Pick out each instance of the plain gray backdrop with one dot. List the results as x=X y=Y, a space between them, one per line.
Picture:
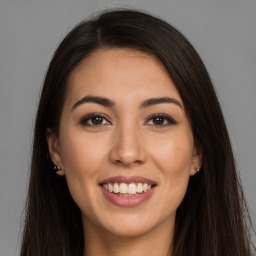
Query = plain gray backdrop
x=222 y=31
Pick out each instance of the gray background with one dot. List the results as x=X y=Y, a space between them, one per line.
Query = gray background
x=223 y=32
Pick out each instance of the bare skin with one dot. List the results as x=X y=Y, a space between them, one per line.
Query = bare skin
x=125 y=134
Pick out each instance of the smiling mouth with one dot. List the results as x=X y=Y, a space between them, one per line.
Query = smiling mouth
x=130 y=189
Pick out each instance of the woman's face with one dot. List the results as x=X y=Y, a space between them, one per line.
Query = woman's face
x=125 y=143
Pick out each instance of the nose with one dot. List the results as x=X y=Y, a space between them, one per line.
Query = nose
x=127 y=148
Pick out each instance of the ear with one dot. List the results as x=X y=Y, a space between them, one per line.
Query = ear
x=54 y=147
x=197 y=160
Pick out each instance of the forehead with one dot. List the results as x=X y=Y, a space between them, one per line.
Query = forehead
x=121 y=74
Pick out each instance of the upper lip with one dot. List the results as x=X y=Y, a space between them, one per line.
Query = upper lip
x=127 y=180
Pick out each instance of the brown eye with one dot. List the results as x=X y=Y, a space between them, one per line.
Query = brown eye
x=160 y=120
x=94 y=120
x=97 y=120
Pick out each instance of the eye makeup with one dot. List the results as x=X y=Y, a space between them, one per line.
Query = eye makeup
x=158 y=120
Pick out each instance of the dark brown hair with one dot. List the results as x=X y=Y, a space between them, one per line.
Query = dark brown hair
x=211 y=220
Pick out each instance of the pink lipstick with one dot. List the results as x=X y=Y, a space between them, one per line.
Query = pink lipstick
x=127 y=191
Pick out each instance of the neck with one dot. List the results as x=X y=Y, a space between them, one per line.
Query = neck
x=156 y=242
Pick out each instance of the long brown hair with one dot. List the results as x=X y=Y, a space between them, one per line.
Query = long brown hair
x=211 y=220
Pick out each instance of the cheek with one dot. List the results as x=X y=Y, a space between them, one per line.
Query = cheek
x=82 y=158
x=174 y=155
x=81 y=154
x=173 y=159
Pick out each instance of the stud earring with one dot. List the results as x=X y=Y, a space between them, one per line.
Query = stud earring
x=58 y=170
x=197 y=170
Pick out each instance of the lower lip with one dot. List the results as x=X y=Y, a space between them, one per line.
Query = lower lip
x=127 y=201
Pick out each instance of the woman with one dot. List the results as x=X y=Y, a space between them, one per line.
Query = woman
x=129 y=121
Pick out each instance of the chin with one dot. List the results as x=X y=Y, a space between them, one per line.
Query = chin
x=133 y=225
x=129 y=230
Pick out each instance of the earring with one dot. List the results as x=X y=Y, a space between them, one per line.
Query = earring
x=58 y=170
x=197 y=170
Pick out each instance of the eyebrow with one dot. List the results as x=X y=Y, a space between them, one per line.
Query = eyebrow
x=154 y=101
x=109 y=103
x=94 y=99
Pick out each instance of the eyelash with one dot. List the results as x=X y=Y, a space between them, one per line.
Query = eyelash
x=170 y=121
x=89 y=117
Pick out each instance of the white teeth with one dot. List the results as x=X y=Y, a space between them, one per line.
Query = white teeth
x=127 y=189
x=110 y=187
x=116 y=188
x=132 y=189
x=123 y=188
x=139 y=188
